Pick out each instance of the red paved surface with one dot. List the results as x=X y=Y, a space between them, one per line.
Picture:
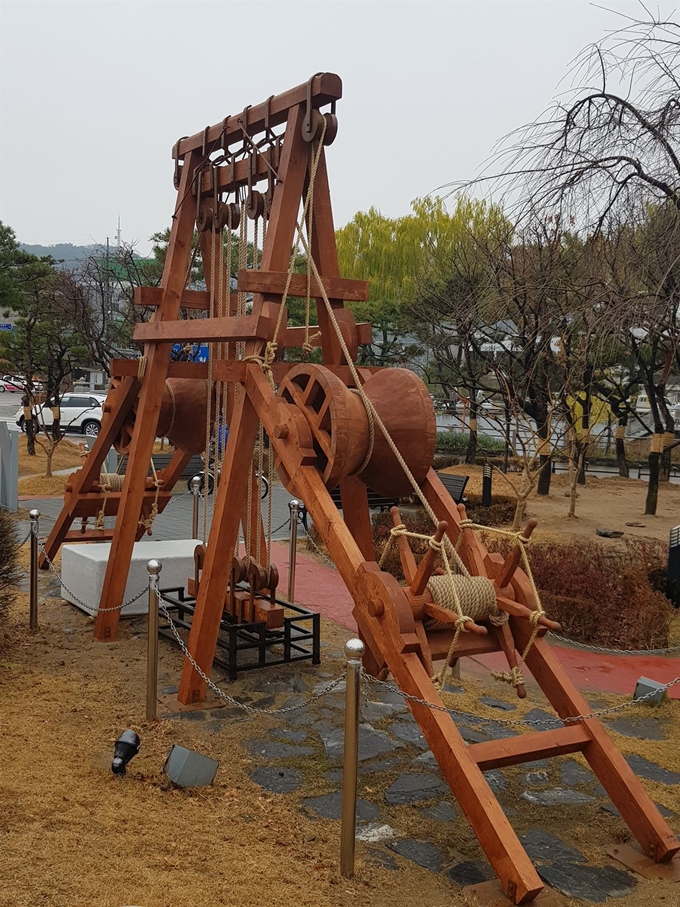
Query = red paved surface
x=320 y=588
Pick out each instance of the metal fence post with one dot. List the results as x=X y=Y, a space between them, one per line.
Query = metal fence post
x=195 y=489
x=154 y=568
x=33 y=596
x=294 y=507
x=354 y=650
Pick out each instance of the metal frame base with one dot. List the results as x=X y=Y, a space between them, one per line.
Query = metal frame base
x=298 y=639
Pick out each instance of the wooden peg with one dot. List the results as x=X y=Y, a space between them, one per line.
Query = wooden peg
x=426 y=566
x=408 y=562
x=507 y=642
x=511 y=562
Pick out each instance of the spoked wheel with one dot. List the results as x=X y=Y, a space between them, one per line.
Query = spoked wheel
x=334 y=415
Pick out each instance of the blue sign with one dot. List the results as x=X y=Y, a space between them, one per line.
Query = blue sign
x=6 y=327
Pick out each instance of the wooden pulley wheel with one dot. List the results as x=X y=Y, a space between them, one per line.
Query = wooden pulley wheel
x=257 y=576
x=332 y=413
x=312 y=127
x=228 y=215
x=255 y=204
x=204 y=221
x=331 y=128
x=273 y=577
x=238 y=570
x=340 y=431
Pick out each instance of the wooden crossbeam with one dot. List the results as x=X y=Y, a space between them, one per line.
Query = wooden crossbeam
x=233 y=328
x=191 y=299
x=326 y=87
x=572 y=738
x=252 y=281
x=232 y=370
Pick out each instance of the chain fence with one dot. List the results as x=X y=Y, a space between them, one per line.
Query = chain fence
x=545 y=723
x=89 y=608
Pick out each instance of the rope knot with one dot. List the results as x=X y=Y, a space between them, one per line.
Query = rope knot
x=466 y=524
x=462 y=620
x=398 y=530
x=434 y=544
x=536 y=616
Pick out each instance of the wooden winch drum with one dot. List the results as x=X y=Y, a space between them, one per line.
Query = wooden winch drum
x=340 y=431
x=182 y=417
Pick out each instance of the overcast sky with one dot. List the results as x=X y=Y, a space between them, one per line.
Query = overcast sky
x=95 y=93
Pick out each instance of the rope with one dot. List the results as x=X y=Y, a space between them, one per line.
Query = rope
x=149 y=521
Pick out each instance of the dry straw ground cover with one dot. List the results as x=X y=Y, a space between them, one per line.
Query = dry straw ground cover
x=73 y=835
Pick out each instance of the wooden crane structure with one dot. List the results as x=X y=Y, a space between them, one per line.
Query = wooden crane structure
x=329 y=424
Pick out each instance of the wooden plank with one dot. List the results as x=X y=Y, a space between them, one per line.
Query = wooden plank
x=232 y=328
x=326 y=87
x=572 y=738
x=191 y=299
x=325 y=254
x=252 y=281
x=625 y=790
x=144 y=433
x=230 y=370
x=354 y=497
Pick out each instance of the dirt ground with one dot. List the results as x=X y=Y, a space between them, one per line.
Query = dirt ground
x=603 y=503
x=74 y=835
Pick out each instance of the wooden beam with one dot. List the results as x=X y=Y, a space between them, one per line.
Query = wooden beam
x=252 y=281
x=625 y=790
x=234 y=328
x=231 y=370
x=572 y=738
x=150 y=396
x=191 y=299
x=326 y=87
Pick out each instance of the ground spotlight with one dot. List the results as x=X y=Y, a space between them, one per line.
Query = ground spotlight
x=125 y=748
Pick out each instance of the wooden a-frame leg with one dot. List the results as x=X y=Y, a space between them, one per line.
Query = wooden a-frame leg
x=636 y=807
x=510 y=862
x=150 y=396
x=229 y=505
x=118 y=402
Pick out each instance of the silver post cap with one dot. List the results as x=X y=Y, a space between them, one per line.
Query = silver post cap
x=34 y=514
x=293 y=505
x=154 y=566
x=354 y=648
x=196 y=484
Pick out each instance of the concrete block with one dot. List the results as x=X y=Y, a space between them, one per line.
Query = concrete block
x=83 y=568
x=189 y=769
x=644 y=686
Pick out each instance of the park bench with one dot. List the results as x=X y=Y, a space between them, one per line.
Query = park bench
x=375 y=501
x=193 y=468
x=455 y=485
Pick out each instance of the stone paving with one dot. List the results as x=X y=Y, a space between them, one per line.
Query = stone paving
x=406 y=811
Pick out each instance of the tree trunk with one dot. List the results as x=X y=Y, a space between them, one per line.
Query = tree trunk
x=545 y=459
x=521 y=506
x=49 y=453
x=472 y=443
x=29 y=425
x=665 y=466
x=653 y=487
x=624 y=472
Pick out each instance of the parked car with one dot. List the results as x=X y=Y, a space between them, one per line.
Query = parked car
x=79 y=412
x=20 y=381
x=10 y=387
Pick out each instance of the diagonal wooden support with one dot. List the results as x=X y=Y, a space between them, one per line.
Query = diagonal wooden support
x=118 y=404
x=144 y=434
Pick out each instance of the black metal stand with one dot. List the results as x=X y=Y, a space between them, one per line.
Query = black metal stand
x=237 y=643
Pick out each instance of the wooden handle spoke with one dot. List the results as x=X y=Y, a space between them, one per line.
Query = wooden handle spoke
x=426 y=566
x=512 y=561
x=408 y=562
x=517 y=610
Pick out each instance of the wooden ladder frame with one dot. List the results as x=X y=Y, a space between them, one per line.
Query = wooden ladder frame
x=395 y=635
